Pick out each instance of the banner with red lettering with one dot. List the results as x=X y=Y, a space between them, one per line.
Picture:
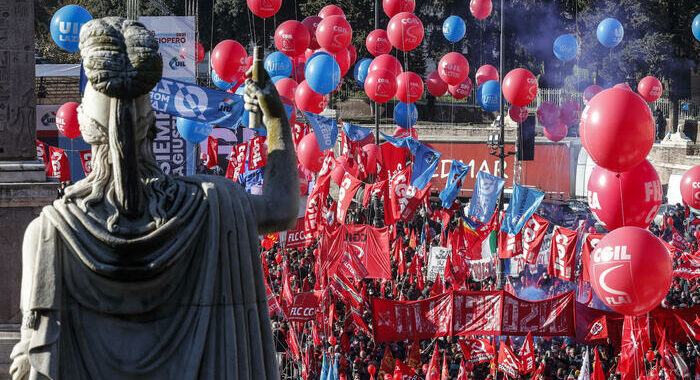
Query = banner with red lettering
x=549 y=317
x=304 y=307
x=508 y=363
x=297 y=237
x=86 y=160
x=60 y=168
x=477 y=350
x=533 y=235
x=404 y=197
x=212 y=152
x=562 y=254
x=346 y=192
x=589 y=244
x=236 y=161
x=688 y=267
x=256 y=155
x=369 y=244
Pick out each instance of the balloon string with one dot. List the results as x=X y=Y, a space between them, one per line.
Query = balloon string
x=622 y=203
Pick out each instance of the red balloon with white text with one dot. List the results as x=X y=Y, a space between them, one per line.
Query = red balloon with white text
x=409 y=87
x=690 y=187
x=453 y=68
x=650 y=89
x=331 y=10
x=518 y=114
x=520 y=87
x=377 y=42
x=393 y=7
x=405 y=31
x=264 y=8
x=462 y=90
x=307 y=99
x=67 y=120
x=311 y=24
x=380 y=86
x=386 y=62
x=292 y=38
x=334 y=33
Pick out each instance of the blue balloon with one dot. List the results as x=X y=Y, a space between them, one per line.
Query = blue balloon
x=218 y=82
x=610 y=32
x=278 y=64
x=478 y=96
x=192 y=131
x=491 y=96
x=405 y=114
x=696 y=27
x=566 y=47
x=322 y=73
x=454 y=28
x=361 y=71
x=66 y=24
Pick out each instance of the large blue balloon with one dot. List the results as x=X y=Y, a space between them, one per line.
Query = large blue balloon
x=478 y=96
x=66 y=24
x=610 y=32
x=491 y=95
x=566 y=47
x=322 y=73
x=453 y=28
x=192 y=131
x=405 y=114
x=278 y=64
x=696 y=27
x=361 y=71
x=218 y=82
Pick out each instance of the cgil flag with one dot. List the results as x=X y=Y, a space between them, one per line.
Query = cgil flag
x=458 y=170
x=487 y=189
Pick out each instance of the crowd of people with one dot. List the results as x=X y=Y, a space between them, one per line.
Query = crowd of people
x=358 y=354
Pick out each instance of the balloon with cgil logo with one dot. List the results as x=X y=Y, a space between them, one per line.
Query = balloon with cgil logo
x=630 y=270
x=690 y=187
x=650 y=89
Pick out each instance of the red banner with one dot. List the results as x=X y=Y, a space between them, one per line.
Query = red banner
x=315 y=203
x=256 y=156
x=509 y=245
x=527 y=355
x=369 y=244
x=42 y=154
x=589 y=244
x=60 y=168
x=346 y=192
x=236 y=161
x=472 y=313
x=477 y=350
x=212 y=152
x=688 y=267
x=297 y=237
x=508 y=363
x=404 y=197
x=533 y=235
x=86 y=160
x=562 y=254
x=394 y=159
x=304 y=307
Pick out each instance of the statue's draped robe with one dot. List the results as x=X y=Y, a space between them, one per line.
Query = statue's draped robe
x=185 y=300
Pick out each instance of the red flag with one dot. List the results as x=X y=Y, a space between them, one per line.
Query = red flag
x=369 y=244
x=257 y=157
x=404 y=197
x=399 y=256
x=346 y=192
x=299 y=130
x=598 y=329
x=414 y=360
x=236 y=161
x=540 y=371
x=533 y=235
x=688 y=267
x=671 y=360
x=86 y=160
x=527 y=355
x=42 y=154
x=448 y=274
x=404 y=371
x=393 y=158
x=287 y=293
x=445 y=370
x=509 y=245
x=351 y=267
x=562 y=254
x=293 y=344
x=508 y=363
x=354 y=319
x=508 y=287
x=635 y=342
x=304 y=307
x=678 y=241
x=463 y=371
x=598 y=373
x=434 y=366
x=437 y=287
x=315 y=335
x=589 y=244
x=412 y=239
x=272 y=305
x=212 y=152
x=346 y=292
x=387 y=365
x=60 y=168
x=477 y=350
x=315 y=203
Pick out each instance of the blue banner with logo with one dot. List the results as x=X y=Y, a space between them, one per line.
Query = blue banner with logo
x=355 y=132
x=325 y=129
x=458 y=170
x=523 y=203
x=425 y=159
x=487 y=189
x=197 y=103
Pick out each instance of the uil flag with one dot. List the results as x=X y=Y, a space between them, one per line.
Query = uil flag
x=508 y=363
x=355 y=132
x=589 y=244
x=212 y=152
x=425 y=162
x=346 y=192
x=523 y=203
x=458 y=170
x=86 y=160
x=527 y=355
x=487 y=189
x=562 y=254
x=256 y=153
x=325 y=129
x=60 y=168
x=533 y=235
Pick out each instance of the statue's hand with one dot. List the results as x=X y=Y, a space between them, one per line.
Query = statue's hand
x=19 y=369
x=263 y=97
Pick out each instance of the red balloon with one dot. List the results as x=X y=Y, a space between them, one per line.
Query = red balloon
x=409 y=87
x=518 y=114
x=669 y=220
x=398 y=375
x=557 y=132
x=631 y=198
x=453 y=68
x=394 y=7
x=331 y=10
x=343 y=165
x=388 y=376
x=617 y=129
x=264 y=8
x=623 y=86
x=520 y=87
x=436 y=86
x=292 y=38
x=480 y=8
x=401 y=132
x=590 y=92
x=229 y=60
x=372 y=369
x=310 y=156
x=461 y=90
x=485 y=74
x=630 y=270
x=67 y=120
x=377 y=42
x=279 y=258
x=380 y=86
x=570 y=112
x=650 y=89
x=650 y=355
x=548 y=114
x=405 y=31
x=374 y=157
x=690 y=186
x=311 y=24
x=334 y=33
x=353 y=54
x=286 y=88
x=308 y=100
x=386 y=62
x=342 y=57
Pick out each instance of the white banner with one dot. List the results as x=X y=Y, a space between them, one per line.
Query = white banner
x=176 y=41
x=436 y=262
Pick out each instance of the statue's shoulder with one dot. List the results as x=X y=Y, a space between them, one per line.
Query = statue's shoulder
x=218 y=182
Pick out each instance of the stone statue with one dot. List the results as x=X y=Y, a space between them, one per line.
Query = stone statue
x=134 y=274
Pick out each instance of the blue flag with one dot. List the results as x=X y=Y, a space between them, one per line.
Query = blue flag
x=325 y=129
x=523 y=203
x=355 y=132
x=399 y=143
x=324 y=368
x=197 y=103
x=458 y=170
x=487 y=189
x=83 y=79
x=425 y=159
